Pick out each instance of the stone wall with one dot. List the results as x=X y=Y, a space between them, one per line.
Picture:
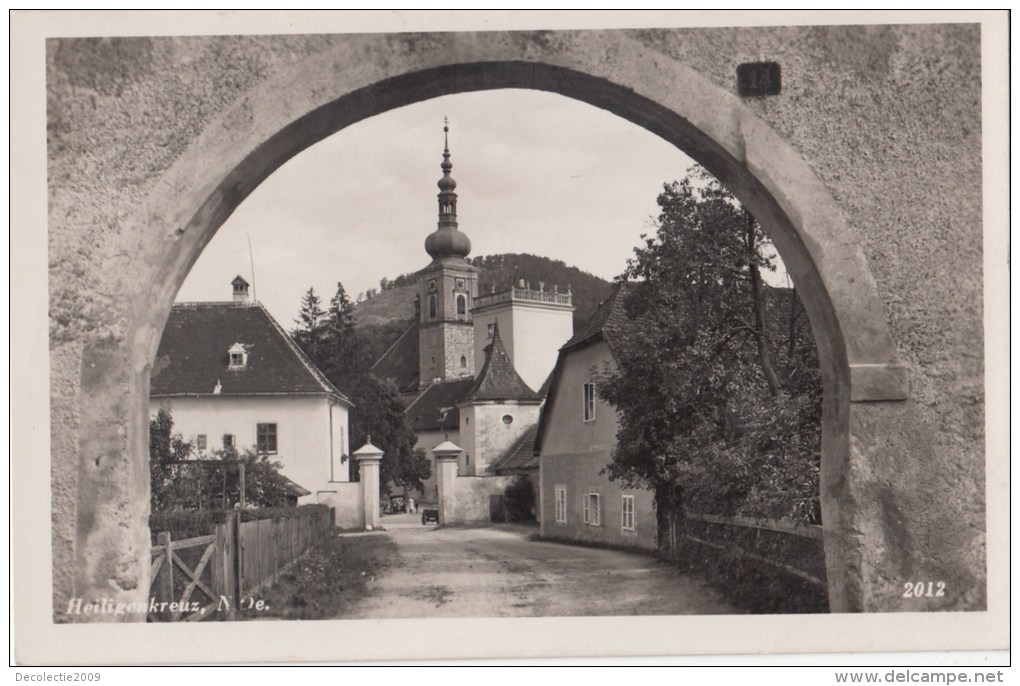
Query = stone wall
x=866 y=170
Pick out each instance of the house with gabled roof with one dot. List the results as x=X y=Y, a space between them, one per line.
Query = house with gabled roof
x=575 y=439
x=232 y=378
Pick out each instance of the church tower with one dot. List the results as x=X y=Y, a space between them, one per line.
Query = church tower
x=447 y=288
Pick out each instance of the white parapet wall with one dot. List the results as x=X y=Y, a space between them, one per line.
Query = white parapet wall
x=349 y=501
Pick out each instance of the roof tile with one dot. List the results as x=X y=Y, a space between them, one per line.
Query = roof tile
x=436 y=407
x=192 y=358
x=498 y=379
x=520 y=455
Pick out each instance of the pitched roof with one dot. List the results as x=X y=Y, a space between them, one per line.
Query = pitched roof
x=192 y=358
x=520 y=455
x=293 y=488
x=608 y=320
x=399 y=363
x=436 y=407
x=498 y=379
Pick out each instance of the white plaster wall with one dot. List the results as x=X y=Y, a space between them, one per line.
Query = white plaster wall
x=501 y=313
x=427 y=440
x=574 y=452
x=304 y=444
x=532 y=334
x=580 y=474
x=472 y=496
x=566 y=431
x=489 y=437
x=538 y=333
x=349 y=500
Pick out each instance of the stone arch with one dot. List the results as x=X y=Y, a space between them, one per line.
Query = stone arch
x=365 y=76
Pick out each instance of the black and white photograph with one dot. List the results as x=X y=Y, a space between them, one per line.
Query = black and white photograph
x=508 y=335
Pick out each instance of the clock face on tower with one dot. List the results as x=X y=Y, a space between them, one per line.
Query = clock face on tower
x=432 y=285
x=460 y=284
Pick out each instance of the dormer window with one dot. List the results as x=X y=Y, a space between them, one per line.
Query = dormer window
x=238 y=357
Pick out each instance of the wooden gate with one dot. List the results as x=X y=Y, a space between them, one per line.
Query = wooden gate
x=194 y=579
x=205 y=577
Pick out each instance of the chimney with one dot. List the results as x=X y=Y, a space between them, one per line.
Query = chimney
x=240 y=289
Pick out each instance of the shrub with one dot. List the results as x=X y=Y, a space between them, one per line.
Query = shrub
x=519 y=500
x=183 y=524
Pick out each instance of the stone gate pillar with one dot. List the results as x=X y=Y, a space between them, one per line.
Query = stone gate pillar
x=447 y=455
x=369 y=457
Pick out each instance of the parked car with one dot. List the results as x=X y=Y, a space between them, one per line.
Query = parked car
x=429 y=514
x=397 y=504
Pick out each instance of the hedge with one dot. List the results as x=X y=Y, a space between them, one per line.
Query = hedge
x=183 y=524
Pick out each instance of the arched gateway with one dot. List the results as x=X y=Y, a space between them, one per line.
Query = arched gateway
x=268 y=98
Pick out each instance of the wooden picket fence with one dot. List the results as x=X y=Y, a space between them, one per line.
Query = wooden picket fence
x=269 y=546
x=207 y=577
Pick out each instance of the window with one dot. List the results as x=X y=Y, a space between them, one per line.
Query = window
x=200 y=442
x=467 y=460
x=627 y=513
x=238 y=356
x=266 y=438
x=432 y=307
x=592 y=510
x=589 y=402
x=561 y=504
x=508 y=420
x=461 y=304
x=228 y=441
x=488 y=331
x=463 y=362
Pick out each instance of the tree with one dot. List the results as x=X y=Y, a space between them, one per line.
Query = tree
x=179 y=483
x=379 y=413
x=340 y=352
x=264 y=485
x=309 y=331
x=168 y=487
x=717 y=386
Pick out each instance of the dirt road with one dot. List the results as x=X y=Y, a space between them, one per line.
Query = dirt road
x=498 y=572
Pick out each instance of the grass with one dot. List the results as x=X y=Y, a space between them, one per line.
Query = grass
x=327 y=581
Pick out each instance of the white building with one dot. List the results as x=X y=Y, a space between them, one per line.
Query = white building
x=232 y=377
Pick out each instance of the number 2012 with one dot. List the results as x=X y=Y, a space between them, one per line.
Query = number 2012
x=932 y=589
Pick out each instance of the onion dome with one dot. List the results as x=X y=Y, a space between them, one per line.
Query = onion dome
x=447 y=240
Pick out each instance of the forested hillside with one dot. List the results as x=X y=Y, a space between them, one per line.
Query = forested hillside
x=383 y=314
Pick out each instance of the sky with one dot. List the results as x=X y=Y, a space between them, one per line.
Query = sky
x=536 y=173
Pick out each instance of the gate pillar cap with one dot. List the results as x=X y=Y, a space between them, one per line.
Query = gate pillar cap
x=368 y=452
x=447 y=450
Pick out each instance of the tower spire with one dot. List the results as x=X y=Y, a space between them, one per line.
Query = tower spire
x=447 y=240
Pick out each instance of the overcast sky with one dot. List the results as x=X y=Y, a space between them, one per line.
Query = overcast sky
x=536 y=173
